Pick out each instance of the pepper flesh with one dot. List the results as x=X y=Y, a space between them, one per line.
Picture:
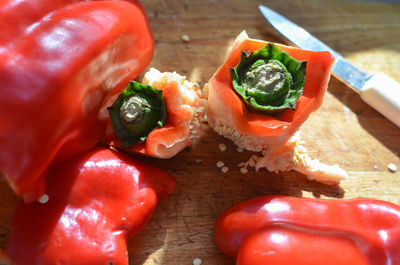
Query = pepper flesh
x=60 y=61
x=290 y=230
x=96 y=201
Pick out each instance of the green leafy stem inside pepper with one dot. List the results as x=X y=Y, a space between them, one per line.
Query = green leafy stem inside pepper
x=269 y=80
x=138 y=110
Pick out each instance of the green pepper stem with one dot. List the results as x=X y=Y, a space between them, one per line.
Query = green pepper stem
x=269 y=80
x=133 y=109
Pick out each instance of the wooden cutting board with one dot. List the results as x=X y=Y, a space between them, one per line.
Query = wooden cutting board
x=343 y=131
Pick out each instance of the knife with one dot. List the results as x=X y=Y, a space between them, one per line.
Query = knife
x=378 y=90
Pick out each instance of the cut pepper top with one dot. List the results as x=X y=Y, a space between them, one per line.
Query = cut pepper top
x=174 y=112
x=229 y=115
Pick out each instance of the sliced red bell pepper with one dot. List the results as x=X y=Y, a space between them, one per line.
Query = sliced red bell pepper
x=96 y=201
x=60 y=61
x=289 y=230
x=227 y=110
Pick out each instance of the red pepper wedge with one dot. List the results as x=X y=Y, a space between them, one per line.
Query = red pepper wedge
x=227 y=110
x=60 y=62
x=290 y=230
x=96 y=201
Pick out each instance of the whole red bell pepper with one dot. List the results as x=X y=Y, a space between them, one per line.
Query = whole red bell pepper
x=96 y=201
x=306 y=231
x=60 y=63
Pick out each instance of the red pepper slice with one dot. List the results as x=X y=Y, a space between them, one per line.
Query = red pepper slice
x=96 y=201
x=290 y=230
x=225 y=106
x=60 y=62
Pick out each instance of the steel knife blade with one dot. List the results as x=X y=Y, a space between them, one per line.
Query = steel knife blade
x=378 y=90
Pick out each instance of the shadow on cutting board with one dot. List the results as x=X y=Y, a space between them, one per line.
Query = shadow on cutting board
x=369 y=119
x=183 y=225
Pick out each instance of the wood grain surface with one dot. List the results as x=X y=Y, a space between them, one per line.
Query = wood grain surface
x=343 y=131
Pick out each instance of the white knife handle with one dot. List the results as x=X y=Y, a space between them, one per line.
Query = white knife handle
x=383 y=94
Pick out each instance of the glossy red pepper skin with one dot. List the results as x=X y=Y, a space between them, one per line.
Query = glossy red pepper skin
x=96 y=201
x=60 y=63
x=289 y=230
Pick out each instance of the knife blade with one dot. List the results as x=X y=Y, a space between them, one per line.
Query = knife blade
x=378 y=90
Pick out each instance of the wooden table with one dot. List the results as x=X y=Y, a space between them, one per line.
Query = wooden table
x=343 y=131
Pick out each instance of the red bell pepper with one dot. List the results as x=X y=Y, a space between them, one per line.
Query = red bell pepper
x=289 y=230
x=60 y=62
x=96 y=201
x=251 y=130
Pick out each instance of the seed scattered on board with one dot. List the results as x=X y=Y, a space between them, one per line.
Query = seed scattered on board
x=392 y=167
x=185 y=38
x=44 y=199
x=244 y=170
x=197 y=261
x=222 y=147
